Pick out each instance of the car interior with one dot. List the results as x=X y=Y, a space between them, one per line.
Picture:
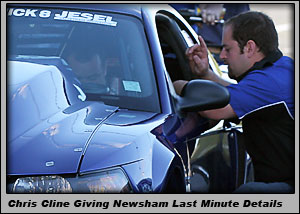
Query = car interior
x=173 y=46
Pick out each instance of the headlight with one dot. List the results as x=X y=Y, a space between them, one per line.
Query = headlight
x=110 y=181
x=41 y=184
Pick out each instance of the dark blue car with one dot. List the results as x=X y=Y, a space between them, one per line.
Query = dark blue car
x=92 y=108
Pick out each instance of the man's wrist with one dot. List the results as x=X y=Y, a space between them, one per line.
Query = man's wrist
x=205 y=75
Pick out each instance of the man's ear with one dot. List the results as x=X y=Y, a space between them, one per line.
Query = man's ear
x=250 y=48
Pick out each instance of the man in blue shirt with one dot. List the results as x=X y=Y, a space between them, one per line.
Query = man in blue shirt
x=263 y=98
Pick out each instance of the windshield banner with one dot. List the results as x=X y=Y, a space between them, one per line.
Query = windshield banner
x=63 y=15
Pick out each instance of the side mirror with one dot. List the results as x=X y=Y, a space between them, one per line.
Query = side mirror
x=200 y=95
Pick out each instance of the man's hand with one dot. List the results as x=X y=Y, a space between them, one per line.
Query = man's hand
x=198 y=59
x=211 y=12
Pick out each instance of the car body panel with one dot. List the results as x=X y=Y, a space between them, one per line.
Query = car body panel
x=40 y=129
x=79 y=122
x=38 y=145
x=220 y=154
x=54 y=128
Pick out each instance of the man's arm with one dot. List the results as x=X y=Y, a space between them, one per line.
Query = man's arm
x=198 y=60
x=224 y=113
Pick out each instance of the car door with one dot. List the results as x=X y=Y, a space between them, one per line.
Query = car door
x=216 y=158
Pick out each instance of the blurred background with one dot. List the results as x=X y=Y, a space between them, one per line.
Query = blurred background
x=283 y=18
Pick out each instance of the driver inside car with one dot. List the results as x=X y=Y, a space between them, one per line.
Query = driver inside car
x=91 y=70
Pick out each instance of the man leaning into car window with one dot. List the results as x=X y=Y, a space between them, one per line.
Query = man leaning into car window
x=263 y=97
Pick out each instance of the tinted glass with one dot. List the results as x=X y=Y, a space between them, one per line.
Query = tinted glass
x=108 y=53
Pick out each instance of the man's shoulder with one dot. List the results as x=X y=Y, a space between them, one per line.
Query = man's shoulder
x=285 y=61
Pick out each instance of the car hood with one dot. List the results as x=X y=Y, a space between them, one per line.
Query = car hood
x=47 y=135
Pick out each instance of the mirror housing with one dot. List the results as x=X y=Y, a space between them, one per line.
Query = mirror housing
x=200 y=95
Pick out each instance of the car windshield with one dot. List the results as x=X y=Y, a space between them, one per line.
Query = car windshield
x=107 y=52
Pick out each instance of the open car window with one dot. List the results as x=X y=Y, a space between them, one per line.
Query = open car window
x=174 y=40
x=107 y=52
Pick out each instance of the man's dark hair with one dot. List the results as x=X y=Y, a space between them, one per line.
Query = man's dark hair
x=256 y=26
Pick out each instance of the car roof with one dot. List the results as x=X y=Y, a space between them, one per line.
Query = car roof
x=129 y=9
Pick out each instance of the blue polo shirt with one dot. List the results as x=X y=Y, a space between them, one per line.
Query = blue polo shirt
x=264 y=100
x=271 y=84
